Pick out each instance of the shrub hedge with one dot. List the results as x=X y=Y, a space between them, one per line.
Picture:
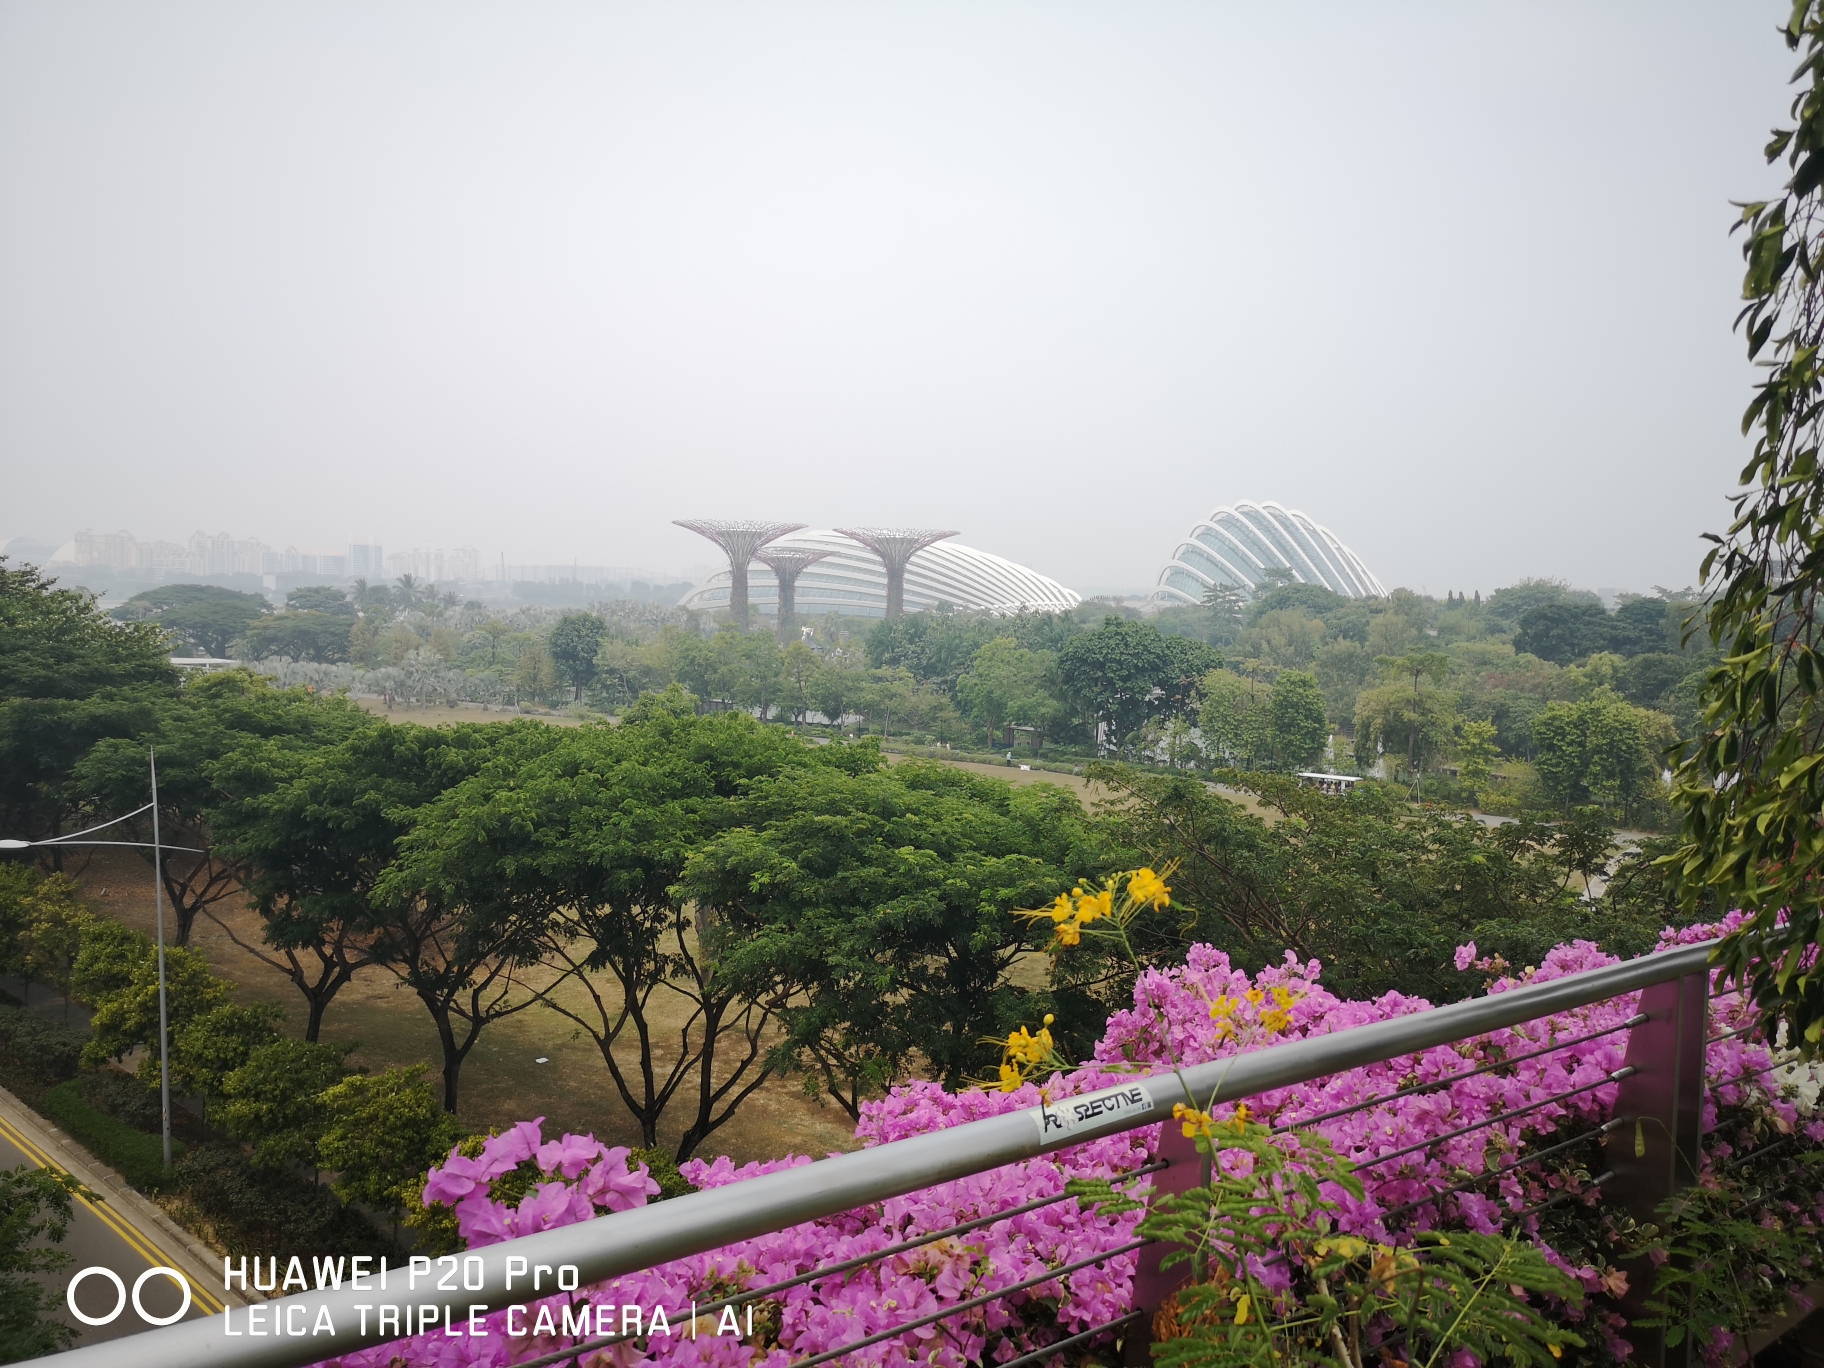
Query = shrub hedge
x=138 y=1156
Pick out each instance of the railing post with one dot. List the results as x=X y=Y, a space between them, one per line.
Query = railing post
x=1654 y=1152
x=1153 y=1284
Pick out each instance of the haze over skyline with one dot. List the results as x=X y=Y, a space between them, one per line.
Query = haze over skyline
x=540 y=278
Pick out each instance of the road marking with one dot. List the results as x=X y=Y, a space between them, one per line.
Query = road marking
x=130 y=1234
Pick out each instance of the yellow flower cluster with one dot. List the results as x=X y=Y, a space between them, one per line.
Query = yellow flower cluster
x=1147 y=889
x=1196 y=1123
x=1025 y=1053
x=1076 y=909
x=1276 y=1020
x=1081 y=907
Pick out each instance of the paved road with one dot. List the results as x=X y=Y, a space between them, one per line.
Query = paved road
x=102 y=1234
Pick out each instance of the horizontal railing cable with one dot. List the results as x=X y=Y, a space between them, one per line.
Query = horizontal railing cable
x=1557 y=1200
x=956 y=1310
x=831 y=1270
x=1520 y=1162
x=1456 y=1078
x=1613 y=1077
x=1040 y=1355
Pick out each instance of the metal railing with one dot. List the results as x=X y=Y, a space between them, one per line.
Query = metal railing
x=1658 y=1102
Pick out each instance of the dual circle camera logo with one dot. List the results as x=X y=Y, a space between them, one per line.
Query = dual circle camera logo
x=122 y=1297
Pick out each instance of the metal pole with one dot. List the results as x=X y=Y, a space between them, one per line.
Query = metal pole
x=1657 y=1156
x=164 y=1029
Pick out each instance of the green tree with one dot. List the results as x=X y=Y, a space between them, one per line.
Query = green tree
x=201 y=616
x=1342 y=667
x=192 y=730
x=274 y=1102
x=1380 y=891
x=759 y=676
x=320 y=598
x=322 y=637
x=573 y=645
x=318 y=830
x=874 y=907
x=69 y=676
x=217 y=1042
x=127 y=1017
x=534 y=676
x=1225 y=604
x=1008 y=685
x=494 y=629
x=1234 y=718
x=1297 y=728
x=798 y=665
x=1602 y=751
x=1414 y=716
x=1476 y=753
x=834 y=688
x=35 y=1215
x=381 y=1132
x=1563 y=632
x=581 y=846
x=1287 y=639
x=54 y=924
x=1124 y=673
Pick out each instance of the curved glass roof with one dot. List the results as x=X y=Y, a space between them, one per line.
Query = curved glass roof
x=852 y=580
x=1238 y=543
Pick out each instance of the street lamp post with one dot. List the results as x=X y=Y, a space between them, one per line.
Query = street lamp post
x=164 y=1027
x=158 y=849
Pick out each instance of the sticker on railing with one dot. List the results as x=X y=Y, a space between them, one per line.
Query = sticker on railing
x=1065 y=1118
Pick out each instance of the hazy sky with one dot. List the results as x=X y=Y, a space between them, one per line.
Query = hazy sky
x=1453 y=278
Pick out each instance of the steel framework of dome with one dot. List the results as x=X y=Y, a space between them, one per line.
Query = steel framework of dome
x=1239 y=543
x=851 y=579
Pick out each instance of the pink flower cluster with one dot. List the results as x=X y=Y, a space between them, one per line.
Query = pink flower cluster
x=1204 y=1010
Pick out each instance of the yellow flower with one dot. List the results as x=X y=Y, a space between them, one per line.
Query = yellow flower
x=1147 y=889
x=1069 y=933
x=1011 y=1078
x=1276 y=1019
x=1222 y=1007
x=1556 y=1351
x=1241 y=1310
x=1195 y=1122
x=1347 y=1245
x=1285 y=997
x=1241 y=1117
x=1094 y=906
x=1255 y=996
x=1060 y=910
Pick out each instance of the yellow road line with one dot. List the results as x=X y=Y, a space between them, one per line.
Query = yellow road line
x=130 y=1234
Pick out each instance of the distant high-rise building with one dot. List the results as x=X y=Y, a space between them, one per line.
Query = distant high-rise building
x=222 y=554
x=366 y=560
x=163 y=558
x=465 y=563
x=117 y=550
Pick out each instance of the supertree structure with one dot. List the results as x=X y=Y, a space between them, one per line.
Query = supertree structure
x=895 y=546
x=786 y=563
x=740 y=538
